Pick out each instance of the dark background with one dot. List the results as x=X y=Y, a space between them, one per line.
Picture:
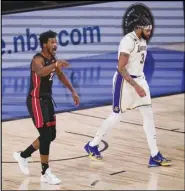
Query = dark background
x=21 y=6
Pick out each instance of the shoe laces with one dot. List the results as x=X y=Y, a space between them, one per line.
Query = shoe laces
x=161 y=157
x=50 y=174
x=97 y=152
x=25 y=161
x=29 y=159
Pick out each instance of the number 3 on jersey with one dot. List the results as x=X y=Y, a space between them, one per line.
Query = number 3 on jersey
x=142 y=58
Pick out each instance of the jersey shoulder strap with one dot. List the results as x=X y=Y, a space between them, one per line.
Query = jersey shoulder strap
x=39 y=54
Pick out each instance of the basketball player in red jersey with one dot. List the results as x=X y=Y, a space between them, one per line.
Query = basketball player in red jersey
x=40 y=105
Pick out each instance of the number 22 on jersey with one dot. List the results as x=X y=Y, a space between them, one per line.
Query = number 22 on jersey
x=51 y=76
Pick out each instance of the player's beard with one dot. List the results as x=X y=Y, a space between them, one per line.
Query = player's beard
x=143 y=36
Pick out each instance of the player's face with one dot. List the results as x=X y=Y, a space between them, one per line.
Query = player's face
x=146 y=33
x=52 y=46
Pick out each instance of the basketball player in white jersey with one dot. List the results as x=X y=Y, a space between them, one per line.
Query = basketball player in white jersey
x=130 y=91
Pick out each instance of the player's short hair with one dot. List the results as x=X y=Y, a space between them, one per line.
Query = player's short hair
x=45 y=36
x=143 y=22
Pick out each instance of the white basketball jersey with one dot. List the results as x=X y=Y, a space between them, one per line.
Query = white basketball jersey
x=137 y=49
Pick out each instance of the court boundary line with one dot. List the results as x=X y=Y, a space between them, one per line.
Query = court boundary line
x=132 y=123
x=72 y=158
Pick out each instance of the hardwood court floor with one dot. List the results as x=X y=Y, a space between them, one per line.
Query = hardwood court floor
x=125 y=152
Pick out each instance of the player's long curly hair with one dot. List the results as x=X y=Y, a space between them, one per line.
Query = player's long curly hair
x=137 y=15
x=142 y=21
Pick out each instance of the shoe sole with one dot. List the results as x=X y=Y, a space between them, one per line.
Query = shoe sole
x=15 y=156
x=50 y=183
x=164 y=164
x=94 y=158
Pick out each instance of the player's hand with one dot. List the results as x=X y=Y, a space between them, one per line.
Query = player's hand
x=141 y=92
x=62 y=64
x=76 y=98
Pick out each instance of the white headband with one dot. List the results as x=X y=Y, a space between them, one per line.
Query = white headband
x=148 y=27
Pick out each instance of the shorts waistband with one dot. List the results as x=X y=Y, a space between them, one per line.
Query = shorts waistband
x=133 y=76
x=45 y=97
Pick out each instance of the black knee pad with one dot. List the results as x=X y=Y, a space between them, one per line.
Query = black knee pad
x=44 y=145
x=45 y=140
x=47 y=134
x=53 y=133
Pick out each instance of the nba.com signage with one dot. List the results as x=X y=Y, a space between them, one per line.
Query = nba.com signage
x=88 y=37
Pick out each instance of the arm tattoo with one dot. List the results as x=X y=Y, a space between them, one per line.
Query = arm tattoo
x=127 y=77
x=59 y=74
x=123 y=71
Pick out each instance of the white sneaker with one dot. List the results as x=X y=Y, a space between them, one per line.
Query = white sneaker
x=49 y=178
x=23 y=163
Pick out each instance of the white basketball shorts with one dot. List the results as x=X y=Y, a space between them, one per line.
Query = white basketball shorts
x=124 y=95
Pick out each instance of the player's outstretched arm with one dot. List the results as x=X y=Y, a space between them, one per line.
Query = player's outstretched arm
x=62 y=77
x=39 y=68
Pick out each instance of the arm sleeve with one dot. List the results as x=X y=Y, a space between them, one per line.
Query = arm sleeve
x=126 y=45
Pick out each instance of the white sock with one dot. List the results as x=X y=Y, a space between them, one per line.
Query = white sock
x=107 y=125
x=149 y=128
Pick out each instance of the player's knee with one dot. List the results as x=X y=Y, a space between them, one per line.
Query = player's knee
x=47 y=135
x=146 y=112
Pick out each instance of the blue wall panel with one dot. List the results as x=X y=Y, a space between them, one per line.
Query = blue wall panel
x=91 y=51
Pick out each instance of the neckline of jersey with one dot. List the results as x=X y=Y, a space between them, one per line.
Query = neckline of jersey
x=137 y=36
